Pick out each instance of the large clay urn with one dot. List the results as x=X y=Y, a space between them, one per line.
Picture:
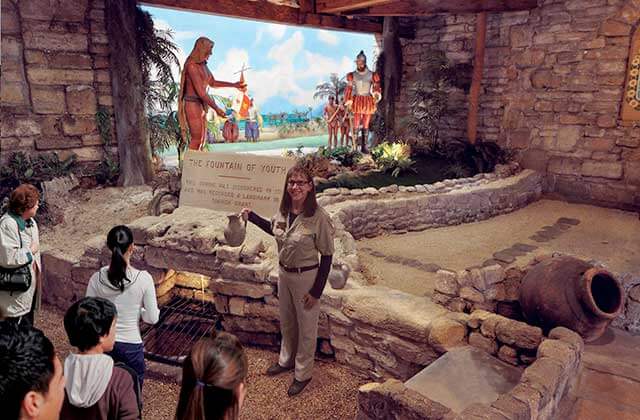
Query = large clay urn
x=568 y=292
x=235 y=231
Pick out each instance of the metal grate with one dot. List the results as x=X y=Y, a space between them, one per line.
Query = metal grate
x=182 y=322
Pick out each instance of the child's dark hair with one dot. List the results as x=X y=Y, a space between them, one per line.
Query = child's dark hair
x=26 y=364
x=87 y=320
x=119 y=240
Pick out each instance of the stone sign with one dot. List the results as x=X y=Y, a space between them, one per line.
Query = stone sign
x=231 y=181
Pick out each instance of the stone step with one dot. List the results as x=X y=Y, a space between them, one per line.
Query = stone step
x=463 y=377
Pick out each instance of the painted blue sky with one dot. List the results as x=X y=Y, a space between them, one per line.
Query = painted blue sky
x=287 y=62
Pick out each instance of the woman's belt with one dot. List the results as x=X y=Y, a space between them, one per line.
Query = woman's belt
x=299 y=269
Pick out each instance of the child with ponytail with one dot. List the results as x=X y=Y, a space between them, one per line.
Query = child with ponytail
x=133 y=293
x=213 y=380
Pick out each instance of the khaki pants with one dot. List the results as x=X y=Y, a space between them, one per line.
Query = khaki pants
x=299 y=326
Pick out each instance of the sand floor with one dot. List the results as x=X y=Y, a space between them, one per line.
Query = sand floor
x=607 y=235
x=330 y=395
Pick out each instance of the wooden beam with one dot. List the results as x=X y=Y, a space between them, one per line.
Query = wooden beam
x=476 y=81
x=391 y=72
x=341 y=6
x=269 y=12
x=307 y=6
x=430 y=7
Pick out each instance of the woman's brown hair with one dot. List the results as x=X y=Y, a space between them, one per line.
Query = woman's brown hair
x=24 y=197
x=310 y=203
x=211 y=374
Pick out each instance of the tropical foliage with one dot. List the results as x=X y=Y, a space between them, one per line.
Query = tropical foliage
x=108 y=170
x=346 y=156
x=479 y=157
x=21 y=168
x=158 y=54
x=428 y=99
x=394 y=158
x=334 y=87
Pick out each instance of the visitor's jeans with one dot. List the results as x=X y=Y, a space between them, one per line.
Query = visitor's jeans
x=131 y=355
x=251 y=131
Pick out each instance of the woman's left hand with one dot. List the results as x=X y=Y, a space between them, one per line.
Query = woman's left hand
x=309 y=301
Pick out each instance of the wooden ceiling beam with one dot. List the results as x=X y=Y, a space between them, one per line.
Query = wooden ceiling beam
x=430 y=7
x=269 y=12
x=343 y=6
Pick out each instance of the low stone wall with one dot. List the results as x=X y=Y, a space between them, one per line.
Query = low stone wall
x=513 y=342
x=337 y=195
x=403 y=212
x=496 y=289
x=537 y=395
x=381 y=333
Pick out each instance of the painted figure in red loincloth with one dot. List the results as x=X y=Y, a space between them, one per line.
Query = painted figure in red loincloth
x=193 y=100
x=330 y=114
x=362 y=95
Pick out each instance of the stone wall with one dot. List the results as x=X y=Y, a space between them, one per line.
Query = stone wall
x=447 y=203
x=379 y=332
x=55 y=75
x=558 y=360
x=496 y=288
x=552 y=90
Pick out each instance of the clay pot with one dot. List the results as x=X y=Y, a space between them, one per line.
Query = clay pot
x=235 y=231
x=568 y=292
x=338 y=276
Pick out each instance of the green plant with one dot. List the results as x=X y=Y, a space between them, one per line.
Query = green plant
x=394 y=158
x=21 y=168
x=479 y=157
x=157 y=52
x=428 y=99
x=108 y=170
x=346 y=156
x=317 y=164
x=103 y=120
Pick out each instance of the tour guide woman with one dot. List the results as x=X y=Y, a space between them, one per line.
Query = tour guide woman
x=302 y=230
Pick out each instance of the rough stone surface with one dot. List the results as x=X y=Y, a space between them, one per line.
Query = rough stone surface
x=552 y=88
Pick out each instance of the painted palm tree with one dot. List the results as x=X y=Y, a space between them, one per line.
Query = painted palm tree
x=158 y=56
x=334 y=87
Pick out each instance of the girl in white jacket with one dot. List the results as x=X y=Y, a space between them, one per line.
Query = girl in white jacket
x=133 y=293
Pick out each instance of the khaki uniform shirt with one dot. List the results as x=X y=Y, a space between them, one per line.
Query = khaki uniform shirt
x=300 y=243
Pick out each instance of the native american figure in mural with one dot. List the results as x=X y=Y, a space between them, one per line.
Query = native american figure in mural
x=193 y=100
x=362 y=95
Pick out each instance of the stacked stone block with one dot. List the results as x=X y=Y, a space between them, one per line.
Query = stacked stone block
x=55 y=74
x=449 y=203
x=552 y=87
x=557 y=361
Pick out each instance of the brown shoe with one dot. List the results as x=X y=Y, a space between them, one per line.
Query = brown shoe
x=276 y=369
x=297 y=387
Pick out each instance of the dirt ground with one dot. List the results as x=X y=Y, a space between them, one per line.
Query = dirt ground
x=88 y=213
x=330 y=395
x=607 y=235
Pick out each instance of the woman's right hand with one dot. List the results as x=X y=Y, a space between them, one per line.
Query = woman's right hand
x=245 y=213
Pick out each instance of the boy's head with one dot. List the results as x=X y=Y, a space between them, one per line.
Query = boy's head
x=31 y=378
x=90 y=323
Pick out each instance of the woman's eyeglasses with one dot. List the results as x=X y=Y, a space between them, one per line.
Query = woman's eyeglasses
x=297 y=183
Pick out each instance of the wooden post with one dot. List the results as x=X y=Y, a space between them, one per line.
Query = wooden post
x=134 y=149
x=392 y=71
x=476 y=81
